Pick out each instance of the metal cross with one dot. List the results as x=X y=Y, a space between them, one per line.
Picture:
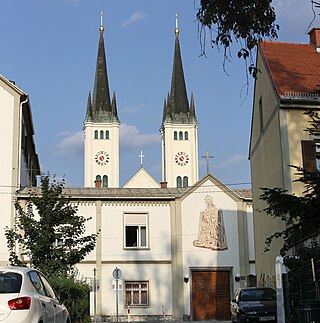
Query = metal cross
x=141 y=157
x=207 y=159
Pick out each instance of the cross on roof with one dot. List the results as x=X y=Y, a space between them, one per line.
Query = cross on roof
x=141 y=157
x=207 y=159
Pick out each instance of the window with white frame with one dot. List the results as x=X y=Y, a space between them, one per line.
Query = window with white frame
x=135 y=230
x=137 y=293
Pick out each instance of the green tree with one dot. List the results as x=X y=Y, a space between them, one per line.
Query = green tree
x=300 y=213
x=48 y=231
x=245 y=22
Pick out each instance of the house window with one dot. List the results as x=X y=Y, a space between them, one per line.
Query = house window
x=136 y=233
x=186 y=135
x=180 y=135
x=107 y=134
x=179 y=182
x=96 y=134
x=137 y=293
x=98 y=178
x=175 y=136
x=311 y=155
x=101 y=134
x=260 y=114
x=105 y=181
x=185 y=181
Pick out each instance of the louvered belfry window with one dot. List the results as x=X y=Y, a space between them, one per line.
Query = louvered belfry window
x=137 y=293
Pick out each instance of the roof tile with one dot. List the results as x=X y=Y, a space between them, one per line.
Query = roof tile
x=294 y=68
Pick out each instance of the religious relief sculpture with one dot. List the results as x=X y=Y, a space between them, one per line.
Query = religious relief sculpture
x=211 y=233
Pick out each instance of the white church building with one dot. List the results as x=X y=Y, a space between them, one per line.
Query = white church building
x=183 y=245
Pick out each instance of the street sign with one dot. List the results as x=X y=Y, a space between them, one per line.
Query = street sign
x=114 y=284
x=116 y=273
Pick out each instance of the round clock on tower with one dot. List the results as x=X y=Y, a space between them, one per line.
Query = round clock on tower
x=181 y=158
x=102 y=158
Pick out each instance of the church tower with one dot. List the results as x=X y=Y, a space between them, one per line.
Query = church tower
x=179 y=129
x=101 y=129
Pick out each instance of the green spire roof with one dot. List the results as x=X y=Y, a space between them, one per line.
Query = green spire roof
x=101 y=109
x=178 y=110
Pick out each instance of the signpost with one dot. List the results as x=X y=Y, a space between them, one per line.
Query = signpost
x=95 y=294
x=116 y=275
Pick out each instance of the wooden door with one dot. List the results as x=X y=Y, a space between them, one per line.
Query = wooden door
x=211 y=295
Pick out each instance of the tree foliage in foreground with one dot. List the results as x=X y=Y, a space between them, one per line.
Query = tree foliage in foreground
x=245 y=22
x=299 y=213
x=49 y=231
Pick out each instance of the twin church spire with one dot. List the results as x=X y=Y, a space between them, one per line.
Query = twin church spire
x=101 y=108
x=176 y=107
x=101 y=128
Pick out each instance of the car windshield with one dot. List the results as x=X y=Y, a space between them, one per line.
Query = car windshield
x=10 y=282
x=257 y=294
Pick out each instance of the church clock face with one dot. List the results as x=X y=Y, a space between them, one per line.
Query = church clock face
x=102 y=158
x=181 y=158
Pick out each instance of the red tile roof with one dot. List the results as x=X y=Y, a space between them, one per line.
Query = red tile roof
x=294 y=68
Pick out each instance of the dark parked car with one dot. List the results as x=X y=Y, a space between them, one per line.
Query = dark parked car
x=254 y=304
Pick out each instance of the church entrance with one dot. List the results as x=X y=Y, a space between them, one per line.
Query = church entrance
x=210 y=295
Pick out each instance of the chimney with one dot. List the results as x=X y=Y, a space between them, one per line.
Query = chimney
x=97 y=183
x=314 y=34
x=163 y=184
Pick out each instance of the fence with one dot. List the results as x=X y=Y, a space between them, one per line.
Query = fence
x=301 y=295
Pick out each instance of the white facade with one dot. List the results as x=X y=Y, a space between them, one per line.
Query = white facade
x=179 y=153
x=205 y=229
x=19 y=162
x=101 y=153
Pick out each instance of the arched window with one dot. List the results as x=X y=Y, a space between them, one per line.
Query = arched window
x=175 y=136
x=179 y=182
x=185 y=181
x=96 y=134
x=105 y=181
x=186 y=135
x=180 y=135
x=101 y=134
x=107 y=134
x=98 y=178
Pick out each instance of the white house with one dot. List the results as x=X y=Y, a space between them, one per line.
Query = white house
x=19 y=162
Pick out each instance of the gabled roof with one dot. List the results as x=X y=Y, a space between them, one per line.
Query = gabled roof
x=141 y=179
x=293 y=68
x=12 y=85
x=237 y=195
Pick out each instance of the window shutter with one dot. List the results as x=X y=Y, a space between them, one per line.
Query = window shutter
x=308 y=155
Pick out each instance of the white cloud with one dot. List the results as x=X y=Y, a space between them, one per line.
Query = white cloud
x=71 y=145
x=131 y=138
x=133 y=109
x=233 y=160
x=294 y=17
x=135 y=17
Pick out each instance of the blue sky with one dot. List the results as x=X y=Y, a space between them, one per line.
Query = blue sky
x=49 y=48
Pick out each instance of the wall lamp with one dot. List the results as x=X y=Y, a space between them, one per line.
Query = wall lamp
x=186 y=278
x=237 y=277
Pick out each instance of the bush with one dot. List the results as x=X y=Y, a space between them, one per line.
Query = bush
x=75 y=295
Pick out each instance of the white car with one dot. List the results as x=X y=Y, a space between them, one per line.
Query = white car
x=27 y=297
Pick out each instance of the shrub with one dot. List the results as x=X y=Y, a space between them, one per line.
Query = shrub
x=74 y=294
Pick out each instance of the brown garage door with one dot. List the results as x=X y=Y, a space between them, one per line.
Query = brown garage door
x=211 y=295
